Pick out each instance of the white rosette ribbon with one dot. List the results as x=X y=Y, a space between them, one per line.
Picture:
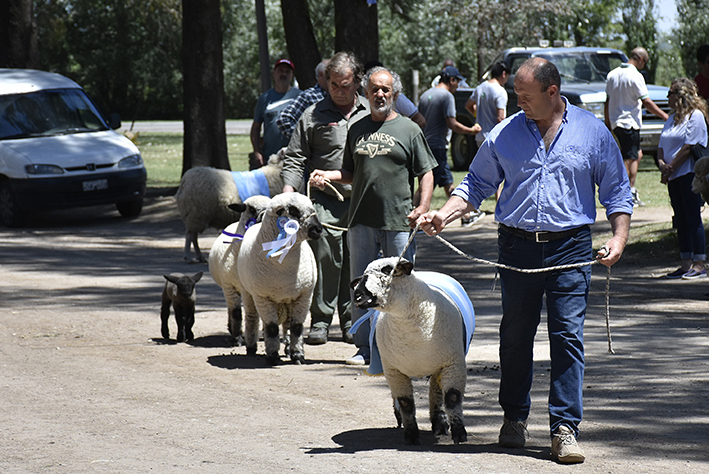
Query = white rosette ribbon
x=285 y=241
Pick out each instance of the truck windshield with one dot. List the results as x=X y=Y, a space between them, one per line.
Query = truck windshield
x=45 y=113
x=584 y=67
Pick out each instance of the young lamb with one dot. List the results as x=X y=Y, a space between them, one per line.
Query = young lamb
x=205 y=194
x=180 y=292
x=223 y=257
x=700 y=183
x=424 y=329
x=277 y=273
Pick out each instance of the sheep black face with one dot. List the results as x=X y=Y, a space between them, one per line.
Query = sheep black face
x=371 y=289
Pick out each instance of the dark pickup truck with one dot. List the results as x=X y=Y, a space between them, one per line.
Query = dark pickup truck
x=583 y=82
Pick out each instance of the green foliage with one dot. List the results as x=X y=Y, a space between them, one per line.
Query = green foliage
x=640 y=28
x=125 y=53
x=692 y=31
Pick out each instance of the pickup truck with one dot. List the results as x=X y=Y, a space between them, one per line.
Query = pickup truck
x=583 y=82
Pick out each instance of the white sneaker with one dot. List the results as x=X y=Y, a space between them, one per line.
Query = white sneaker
x=564 y=447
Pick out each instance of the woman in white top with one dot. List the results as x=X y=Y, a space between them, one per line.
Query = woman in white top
x=686 y=127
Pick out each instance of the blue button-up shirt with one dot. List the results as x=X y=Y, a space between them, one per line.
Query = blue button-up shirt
x=550 y=190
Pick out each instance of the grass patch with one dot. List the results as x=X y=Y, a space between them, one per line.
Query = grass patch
x=162 y=154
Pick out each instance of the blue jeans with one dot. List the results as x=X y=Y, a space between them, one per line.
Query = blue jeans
x=687 y=207
x=442 y=175
x=367 y=244
x=566 y=294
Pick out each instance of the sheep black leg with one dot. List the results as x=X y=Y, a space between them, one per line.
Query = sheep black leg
x=297 y=354
x=189 y=323
x=408 y=415
x=454 y=407
x=234 y=326
x=272 y=344
x=439 y=422
x=397 y=415
x=165 y=316
x=181 y=335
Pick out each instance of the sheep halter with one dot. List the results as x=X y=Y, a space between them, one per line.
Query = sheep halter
x=286 y=239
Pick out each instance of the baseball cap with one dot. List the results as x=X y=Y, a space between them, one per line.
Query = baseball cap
x=284 y=61
x=452 y=71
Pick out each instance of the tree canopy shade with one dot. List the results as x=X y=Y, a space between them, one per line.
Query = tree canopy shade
x=300 y=39
x=692 y=31
x=18 y=34
x=203 y=72
x=357 y=29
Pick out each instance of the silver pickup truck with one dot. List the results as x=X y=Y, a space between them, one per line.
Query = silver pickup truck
x=583 y=82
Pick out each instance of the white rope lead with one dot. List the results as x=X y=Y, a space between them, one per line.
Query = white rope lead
x=541 y=270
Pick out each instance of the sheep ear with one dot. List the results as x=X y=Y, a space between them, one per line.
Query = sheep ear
x=355 y=282
x=197 y=276
x=172 y=278
x=237 y=207
x=404 y=267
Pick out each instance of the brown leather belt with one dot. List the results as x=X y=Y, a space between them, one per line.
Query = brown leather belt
x=542 y=237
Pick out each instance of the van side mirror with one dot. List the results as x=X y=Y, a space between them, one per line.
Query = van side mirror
x=114 y=121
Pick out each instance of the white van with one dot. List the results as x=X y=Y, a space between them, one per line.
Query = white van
x=58 y=151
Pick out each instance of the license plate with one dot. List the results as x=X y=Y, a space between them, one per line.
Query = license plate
x=646 y=140
x=95 y=185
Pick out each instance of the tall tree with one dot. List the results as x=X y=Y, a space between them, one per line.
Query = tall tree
x=692 y=31
x=640 y=29
x=203 y=76
x=300 y=38
x=357 y=29
x=18 y=34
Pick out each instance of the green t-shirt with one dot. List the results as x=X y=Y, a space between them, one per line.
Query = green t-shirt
x=384 y=159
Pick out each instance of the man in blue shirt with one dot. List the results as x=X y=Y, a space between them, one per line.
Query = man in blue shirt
x=551 y=156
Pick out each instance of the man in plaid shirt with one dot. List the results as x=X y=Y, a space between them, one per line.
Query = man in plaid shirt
x=289 y=116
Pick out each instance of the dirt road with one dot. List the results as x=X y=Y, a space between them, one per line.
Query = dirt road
x=88 y=386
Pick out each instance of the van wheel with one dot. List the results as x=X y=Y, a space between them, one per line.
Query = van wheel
x=130 y=208
x=10 y=214
x=463 y=149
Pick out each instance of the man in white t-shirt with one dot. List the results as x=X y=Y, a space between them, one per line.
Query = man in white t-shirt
x=488 y=104
x=626 y=94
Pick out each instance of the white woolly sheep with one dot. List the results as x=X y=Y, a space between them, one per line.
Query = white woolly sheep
x=279 y=282
x=223 y=257
x=179 y=291
x=700 y=183
x=205 y=194
x=424 y=329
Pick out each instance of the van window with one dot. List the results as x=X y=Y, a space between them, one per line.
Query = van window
x=45 y=113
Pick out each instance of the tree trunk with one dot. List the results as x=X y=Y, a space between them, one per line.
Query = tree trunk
x=203 y=77
x=300 y=40
x=356 y=29
x=18 y=35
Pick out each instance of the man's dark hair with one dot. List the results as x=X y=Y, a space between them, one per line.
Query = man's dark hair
x=703 y=53
x=445 y=78
x=498 y=68
x=543 y=71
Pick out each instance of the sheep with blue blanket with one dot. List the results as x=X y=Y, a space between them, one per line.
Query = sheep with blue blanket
x=205 y=194
x=423 y=327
